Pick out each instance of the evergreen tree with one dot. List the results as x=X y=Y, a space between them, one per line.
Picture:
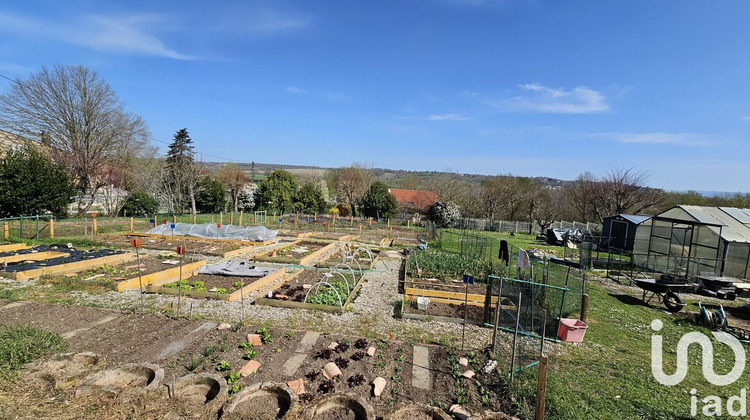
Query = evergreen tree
x=212 y=197
x=309 y=199
x=378 y=202
x=182 y=171
x=277 y=191
x=32 y=184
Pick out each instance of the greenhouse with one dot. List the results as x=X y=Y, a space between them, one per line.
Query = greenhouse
x=689 y=241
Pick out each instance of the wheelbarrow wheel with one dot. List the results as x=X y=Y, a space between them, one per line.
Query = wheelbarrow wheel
x=673 y=302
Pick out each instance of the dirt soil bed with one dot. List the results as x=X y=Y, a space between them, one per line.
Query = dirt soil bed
x=300 y=249
x=228 y=283
x=135 y=338
x=446 y=286
x=294 y=288
x=108 y=274
x=168 y=243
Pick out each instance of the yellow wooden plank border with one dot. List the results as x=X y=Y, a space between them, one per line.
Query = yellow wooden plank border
x=72 y=267
x=169 y=274
x=257 y=284
x=308 y=260
x=269 y=251
x=34 y=256
x=236 y=252
x=13 y=247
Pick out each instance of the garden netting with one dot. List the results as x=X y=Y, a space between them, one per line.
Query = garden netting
x=209 y=230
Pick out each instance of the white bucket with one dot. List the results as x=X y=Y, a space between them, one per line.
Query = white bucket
x=422 y=303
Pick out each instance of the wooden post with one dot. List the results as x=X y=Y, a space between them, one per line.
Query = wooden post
x=515 y=339
x=351 y=222
x=221 y=217
x=334 y=219
x=584 y=307
x=195 y=219
x=52 y=228
x=174 y=218
x=212 y=218
x=296 y=221
x=315 y=217
x=6 y=231
x=541 y=388
x=240 y=218
x=131 y=224
x=407 y=223
x=94 y=230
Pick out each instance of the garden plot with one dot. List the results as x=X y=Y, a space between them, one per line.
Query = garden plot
x=358 y=256
x=72 y=261
x=37 y=253
x=375 y=239
x=301 y=252
x=332 y=236
x=316 y=289
x=433 y=288
x=282 y=356
x=224 y=248
x=213 y=286
x=126 y=276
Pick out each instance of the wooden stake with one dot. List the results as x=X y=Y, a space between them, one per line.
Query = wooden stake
x=6 y=230
x=497 y=318
x=212 y=218
x=195 y=219
x=515 y=338
x=52 y=228
x=240 y=218
x=174 y=218
x=584 y=307
x=94 y=230
x=541 y=389
x=131 y=224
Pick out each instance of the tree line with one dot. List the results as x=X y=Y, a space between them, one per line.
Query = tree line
x=88 y=146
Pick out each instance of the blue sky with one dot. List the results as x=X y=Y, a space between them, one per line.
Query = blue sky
x=534 y=88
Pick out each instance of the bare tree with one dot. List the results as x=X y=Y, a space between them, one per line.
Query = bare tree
x=353 y=183
x=234 y=179
x=581 y=196
x=550 y=205
x=454 y=187
x=623 y=191
x=79 y=116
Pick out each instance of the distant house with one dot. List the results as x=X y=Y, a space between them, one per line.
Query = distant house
x=9 y=140
x=414 y=201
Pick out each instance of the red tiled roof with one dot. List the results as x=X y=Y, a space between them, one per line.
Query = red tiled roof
x=416 y=199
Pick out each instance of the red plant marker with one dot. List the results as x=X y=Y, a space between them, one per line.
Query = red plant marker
x=136 y=243
x=180 y=250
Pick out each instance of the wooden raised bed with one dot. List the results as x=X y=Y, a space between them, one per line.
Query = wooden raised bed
x=369 y=266
x=168 y=275
x=32 y=256
x=278 y=303
x=157 y=287
x=73 y=267
x=306 y=260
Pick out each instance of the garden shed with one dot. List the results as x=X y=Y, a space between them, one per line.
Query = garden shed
x=619 y=230
x=688 y=241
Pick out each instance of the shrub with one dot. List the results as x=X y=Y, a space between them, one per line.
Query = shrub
x=140 y=204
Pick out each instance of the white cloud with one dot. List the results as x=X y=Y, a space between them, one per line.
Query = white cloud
x=118 y=34
x=447 y=117
x=539 y=98
x=658 y=138
x=292 y=89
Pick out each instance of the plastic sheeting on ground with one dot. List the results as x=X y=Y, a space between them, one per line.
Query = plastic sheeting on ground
x=209 y=230
x=235 y=268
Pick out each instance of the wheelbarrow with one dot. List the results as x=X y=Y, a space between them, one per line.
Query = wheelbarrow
x=667 y=292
